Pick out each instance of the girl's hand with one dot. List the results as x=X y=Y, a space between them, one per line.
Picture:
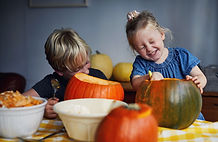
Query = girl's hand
x=156 y=76
x=196 y=81
x=49 y=112
x=137 y=79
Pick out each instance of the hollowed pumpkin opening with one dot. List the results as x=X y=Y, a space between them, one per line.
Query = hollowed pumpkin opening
x=94 y=80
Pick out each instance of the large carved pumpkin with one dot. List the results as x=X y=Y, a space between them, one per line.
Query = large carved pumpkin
x=85 y=86
x=132 y=123
x=176 y=103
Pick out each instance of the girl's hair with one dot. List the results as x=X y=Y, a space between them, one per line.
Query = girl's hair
x=65 y=50
x=140 y=21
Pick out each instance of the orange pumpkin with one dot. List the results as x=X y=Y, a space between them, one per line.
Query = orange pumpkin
x=132 y=123
x=176 y=103
x=85 y=86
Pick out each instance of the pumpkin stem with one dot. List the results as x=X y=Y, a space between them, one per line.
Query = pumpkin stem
x=133 y=106
x=97 y=52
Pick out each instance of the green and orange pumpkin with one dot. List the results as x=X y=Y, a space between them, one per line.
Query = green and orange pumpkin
x=176 y=103
x=132 y=123
x=85 y=86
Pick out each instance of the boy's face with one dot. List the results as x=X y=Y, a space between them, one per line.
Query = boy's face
x=148 y=42
x=84 y=69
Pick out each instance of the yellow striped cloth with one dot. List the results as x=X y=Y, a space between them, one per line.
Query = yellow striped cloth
x=199 y=131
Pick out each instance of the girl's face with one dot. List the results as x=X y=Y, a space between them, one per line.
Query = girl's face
x=148 y=42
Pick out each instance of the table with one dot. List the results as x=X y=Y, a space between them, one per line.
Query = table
x=199 y=131
x=210 y=106
x=209 y=99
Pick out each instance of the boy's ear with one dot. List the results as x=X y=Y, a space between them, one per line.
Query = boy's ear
x=59 y=73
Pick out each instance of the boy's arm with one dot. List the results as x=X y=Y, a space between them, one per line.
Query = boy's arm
x=49 y=112
x=31 y=92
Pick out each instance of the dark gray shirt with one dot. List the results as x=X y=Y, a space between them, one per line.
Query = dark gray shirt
x=45 y=90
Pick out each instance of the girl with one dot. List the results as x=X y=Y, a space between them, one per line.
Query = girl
x=146 y=37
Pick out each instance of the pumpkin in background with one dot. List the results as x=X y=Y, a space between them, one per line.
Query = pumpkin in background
x=102 y=62
x=85 y=86
x=132 y=123
x=176 y=103
x=122 y=71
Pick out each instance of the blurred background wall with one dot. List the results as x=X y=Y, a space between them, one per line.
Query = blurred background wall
x=101 y=24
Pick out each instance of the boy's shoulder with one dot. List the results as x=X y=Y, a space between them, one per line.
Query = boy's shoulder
x=97 y=73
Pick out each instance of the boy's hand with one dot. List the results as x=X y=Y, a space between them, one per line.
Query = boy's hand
x=196 y=81
x=49 y=112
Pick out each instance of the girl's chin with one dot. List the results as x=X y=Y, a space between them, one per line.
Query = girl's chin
x=154 y=58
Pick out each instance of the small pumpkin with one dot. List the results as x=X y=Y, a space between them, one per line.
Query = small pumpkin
x=176 y=103
x=102 y=62
x=85 y=86
x=122 y=71
x=132 y=123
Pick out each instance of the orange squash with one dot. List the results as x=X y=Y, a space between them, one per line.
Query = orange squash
x=85 y=86
x=132 y=123
x=176 y=103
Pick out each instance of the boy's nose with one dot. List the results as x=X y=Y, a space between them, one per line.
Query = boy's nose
x=85 y=69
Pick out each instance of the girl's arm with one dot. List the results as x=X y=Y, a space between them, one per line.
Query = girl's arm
x=198 y=77
x=137 y=79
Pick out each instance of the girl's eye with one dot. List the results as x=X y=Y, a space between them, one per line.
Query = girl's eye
x=151 y=42
x=143 y=47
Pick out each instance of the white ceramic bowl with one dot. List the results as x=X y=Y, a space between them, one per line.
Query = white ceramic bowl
x=21 y=121
x=81 y=117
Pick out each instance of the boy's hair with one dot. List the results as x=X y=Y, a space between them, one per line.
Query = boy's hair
x=65 y=50
x=144 y=19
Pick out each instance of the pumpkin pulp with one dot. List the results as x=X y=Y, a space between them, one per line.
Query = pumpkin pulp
x=94 y=80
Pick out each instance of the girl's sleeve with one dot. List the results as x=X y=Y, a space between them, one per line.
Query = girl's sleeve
x=188 y=61
x=138 y=67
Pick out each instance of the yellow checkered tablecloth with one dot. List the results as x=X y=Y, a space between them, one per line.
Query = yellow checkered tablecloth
x=199 y=131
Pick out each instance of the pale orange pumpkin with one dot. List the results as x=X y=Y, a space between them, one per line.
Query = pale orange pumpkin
x=122 y=71
x=102 y=62
x=85 y=86
x=132 y=123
